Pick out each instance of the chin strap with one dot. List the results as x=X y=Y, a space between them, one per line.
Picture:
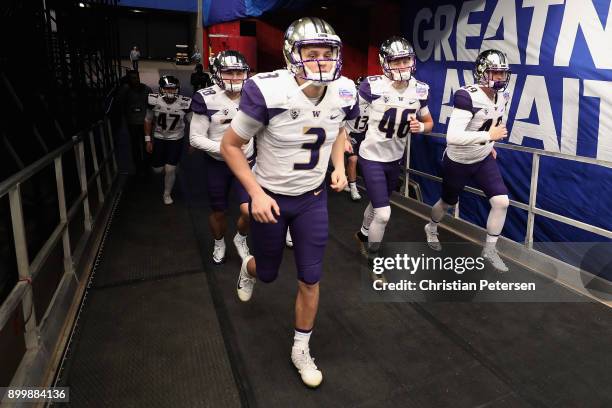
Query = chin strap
x=306 y=84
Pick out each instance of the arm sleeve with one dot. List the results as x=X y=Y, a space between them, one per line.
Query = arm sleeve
x=352 y=112
x=198 y=134
x=363 y=112
x=365 y=91
x=245 y=126
x=424 y=110
x=456 y=133
x=198 y=105
x=252 y=102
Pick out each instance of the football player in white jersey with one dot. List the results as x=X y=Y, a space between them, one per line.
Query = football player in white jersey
x=297 y=116
x=214 y=107
x=167 y=112
x=475 y=124
x=356 y=133
x=396 y=104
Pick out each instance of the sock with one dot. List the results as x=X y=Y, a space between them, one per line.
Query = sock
x=368 y=216
x=240 y=236
x=301 y=338
x=220 y=242
x=437 y=213
x=491 y=239
x=379 y=223
x=353 y=185
x=169 y=178
x=497 y=216
x=432 y=226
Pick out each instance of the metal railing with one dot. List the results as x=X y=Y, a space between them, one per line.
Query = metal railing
x=531 y=208
x=22 y=293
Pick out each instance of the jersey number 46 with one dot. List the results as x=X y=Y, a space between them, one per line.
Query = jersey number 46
x=387 y=123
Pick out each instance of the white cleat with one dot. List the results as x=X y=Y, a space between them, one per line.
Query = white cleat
x=289 y=240
x=490 y=254
x=218 y=256
x=168 y=199
x=355 y=196
x=246 y=282
x=432 y=238
x=240 y=242
x=311 y=375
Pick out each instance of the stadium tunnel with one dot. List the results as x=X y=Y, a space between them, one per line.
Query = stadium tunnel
x=113 y=296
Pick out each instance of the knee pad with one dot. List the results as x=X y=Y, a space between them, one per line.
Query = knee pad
x=158 y=170
x=500 y=201
x=382 y=214
x=310 y=275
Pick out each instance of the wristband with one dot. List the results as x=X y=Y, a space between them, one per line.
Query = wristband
x=421 y=127
x=147 y=138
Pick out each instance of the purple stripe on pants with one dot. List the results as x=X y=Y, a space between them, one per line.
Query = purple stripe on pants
x=381 y=179
x=306 y=215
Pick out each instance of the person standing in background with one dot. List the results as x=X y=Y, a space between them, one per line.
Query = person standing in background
x=197 y=56
x=133 y=101
x=200 y=79
x=134 y=57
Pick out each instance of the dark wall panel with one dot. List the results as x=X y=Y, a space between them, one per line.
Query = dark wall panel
x=133 y=31
x=156 y=33
x=165 y=33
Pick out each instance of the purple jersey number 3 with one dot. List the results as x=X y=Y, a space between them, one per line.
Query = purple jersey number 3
x=314 y=149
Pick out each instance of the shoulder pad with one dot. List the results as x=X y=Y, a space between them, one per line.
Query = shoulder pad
x=422 y=90
x=152 y=99
x=346 y=90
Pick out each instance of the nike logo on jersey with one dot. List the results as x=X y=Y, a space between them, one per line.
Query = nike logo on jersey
x=317 y=192
x=334 y=117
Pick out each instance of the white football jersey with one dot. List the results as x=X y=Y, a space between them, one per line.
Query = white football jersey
x=294 y=146
x=169 y=122
x=214 y=103
x=360 y=123
x=389 y=111
x=468 y=129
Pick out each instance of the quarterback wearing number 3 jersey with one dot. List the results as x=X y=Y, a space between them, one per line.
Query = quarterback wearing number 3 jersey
x=297 y=118
x=475 y=124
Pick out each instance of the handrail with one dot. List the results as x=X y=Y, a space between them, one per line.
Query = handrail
x=39 y=164
x=21 y=293
x=531 y=208
x=547 y=153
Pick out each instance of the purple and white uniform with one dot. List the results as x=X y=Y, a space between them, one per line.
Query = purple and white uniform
x=294 y=143
x=213 y=112
x=357 y=129
x=468 y=153
x=168 y=121
x=389 y=111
